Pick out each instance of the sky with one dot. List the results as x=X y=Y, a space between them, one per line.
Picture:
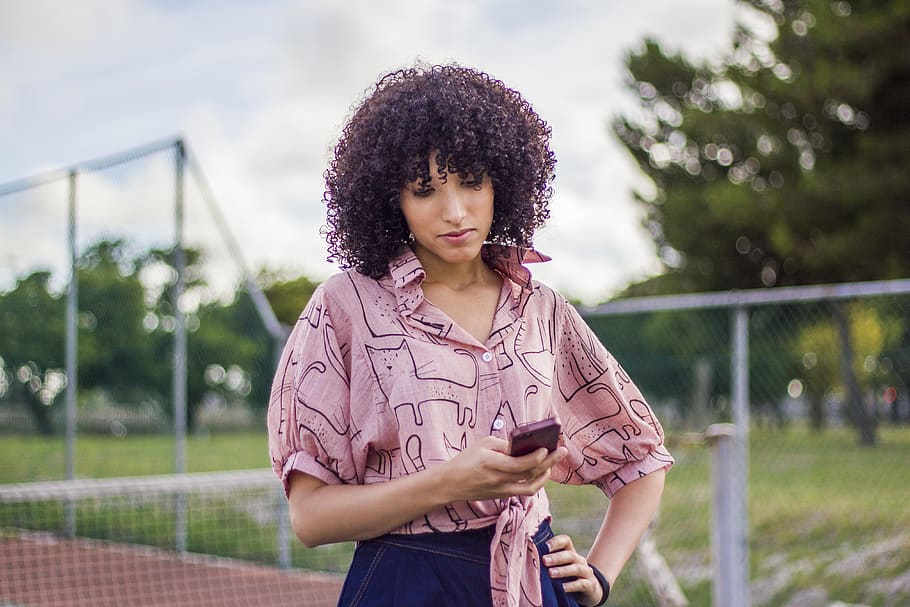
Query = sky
x=260 y=91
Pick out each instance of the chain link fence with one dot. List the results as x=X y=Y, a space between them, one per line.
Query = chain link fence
x=825 y=435
x=160 y=277
x=824 y=356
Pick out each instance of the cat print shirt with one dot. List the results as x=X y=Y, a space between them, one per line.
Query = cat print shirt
x=375 y=383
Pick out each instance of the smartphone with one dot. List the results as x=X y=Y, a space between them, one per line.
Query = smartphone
x=530 y=437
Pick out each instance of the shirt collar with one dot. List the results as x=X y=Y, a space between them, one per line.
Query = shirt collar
x=407 y=272
x=510 y=262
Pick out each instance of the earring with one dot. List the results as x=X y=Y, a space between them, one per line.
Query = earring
x=410 y=237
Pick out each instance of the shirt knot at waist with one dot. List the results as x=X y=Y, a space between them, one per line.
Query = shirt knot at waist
x=514 y=560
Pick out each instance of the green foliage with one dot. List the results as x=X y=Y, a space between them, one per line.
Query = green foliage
x=126 y=322
x=232 y=353
x=28 y=311
x=661 y=352
x=114 y=348
x=785 y=163
x=31 y=350
x=288 y=297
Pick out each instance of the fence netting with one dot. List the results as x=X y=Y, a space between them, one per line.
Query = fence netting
x=125 y=245
x=119 y=546
x=823 y=376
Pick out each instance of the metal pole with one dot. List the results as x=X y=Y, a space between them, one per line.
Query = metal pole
x=260 y=302
x=725 y=588
x=285 y=534
x=180 y=354
x=72 y=303
x=284 y=529
x=740 y=456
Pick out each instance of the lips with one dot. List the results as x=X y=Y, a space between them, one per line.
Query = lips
x=457 y=235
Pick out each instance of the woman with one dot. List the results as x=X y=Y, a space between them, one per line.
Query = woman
x=405 y=374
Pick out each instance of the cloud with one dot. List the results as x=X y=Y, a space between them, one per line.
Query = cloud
x=597 y=246
x=261 y=92
x=47 y=26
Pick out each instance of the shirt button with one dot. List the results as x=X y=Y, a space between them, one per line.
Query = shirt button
x=487 y=357
x=498 y=424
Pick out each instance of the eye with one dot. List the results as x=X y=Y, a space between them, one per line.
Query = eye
x=472 y=182
x=422 y=192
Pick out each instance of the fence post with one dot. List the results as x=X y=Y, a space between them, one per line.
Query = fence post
x=72 y=305
x=739 y=479
x=725 y=531
x=180 y=354
x=284 y=530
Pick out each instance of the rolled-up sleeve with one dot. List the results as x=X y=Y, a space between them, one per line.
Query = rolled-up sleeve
x=610 y=431
x=308 y=419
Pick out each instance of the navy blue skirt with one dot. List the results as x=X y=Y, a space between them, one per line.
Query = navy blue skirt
x=434 y=569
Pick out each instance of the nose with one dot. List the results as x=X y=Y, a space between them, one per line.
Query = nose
x=453 y=210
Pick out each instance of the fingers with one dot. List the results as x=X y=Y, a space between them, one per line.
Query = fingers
x=484 y=470
x=564 y=563
x=531 y=484
x=555 y=457
x=587 y=587
x=494 y=443
x=539 y=460
x=540 y=457
x=561 y=543
x=532 y=471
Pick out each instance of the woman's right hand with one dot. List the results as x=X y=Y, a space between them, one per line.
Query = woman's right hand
x=485 y=470
x=322 y=513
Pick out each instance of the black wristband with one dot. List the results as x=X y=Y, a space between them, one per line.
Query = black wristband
x=604 y=584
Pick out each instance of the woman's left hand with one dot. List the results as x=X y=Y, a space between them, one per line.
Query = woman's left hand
x=564 y=563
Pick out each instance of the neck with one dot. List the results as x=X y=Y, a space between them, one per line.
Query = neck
x=456 y=276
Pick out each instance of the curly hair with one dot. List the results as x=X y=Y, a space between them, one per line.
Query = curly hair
x=477 y=124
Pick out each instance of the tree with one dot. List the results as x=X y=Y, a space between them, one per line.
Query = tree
x=126 y=324
x=230 y=353
x=115 y=352
x=31 y=345
x=659 y=349
x=785 y=162
x=287 y=296
x=226 y=342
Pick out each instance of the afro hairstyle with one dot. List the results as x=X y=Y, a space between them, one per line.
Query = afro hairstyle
x=474 y=123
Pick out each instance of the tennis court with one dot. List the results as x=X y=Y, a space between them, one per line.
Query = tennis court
x=43 y=570
x=171 y=541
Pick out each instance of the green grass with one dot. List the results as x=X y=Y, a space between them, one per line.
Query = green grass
x=816 y=501
x=33 y=458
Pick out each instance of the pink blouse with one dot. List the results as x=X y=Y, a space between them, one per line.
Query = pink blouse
x=376 y=383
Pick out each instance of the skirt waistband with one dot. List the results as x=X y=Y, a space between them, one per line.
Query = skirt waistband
x=471 y=545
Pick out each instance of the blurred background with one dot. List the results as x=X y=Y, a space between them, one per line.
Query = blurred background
x=169 y=156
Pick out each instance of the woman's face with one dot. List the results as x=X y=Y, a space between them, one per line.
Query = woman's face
x=450 y=217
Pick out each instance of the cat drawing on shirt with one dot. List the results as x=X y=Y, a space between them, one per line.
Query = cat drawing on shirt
x=391 y=364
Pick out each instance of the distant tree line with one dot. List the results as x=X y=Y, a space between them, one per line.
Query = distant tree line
x=125 y=334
